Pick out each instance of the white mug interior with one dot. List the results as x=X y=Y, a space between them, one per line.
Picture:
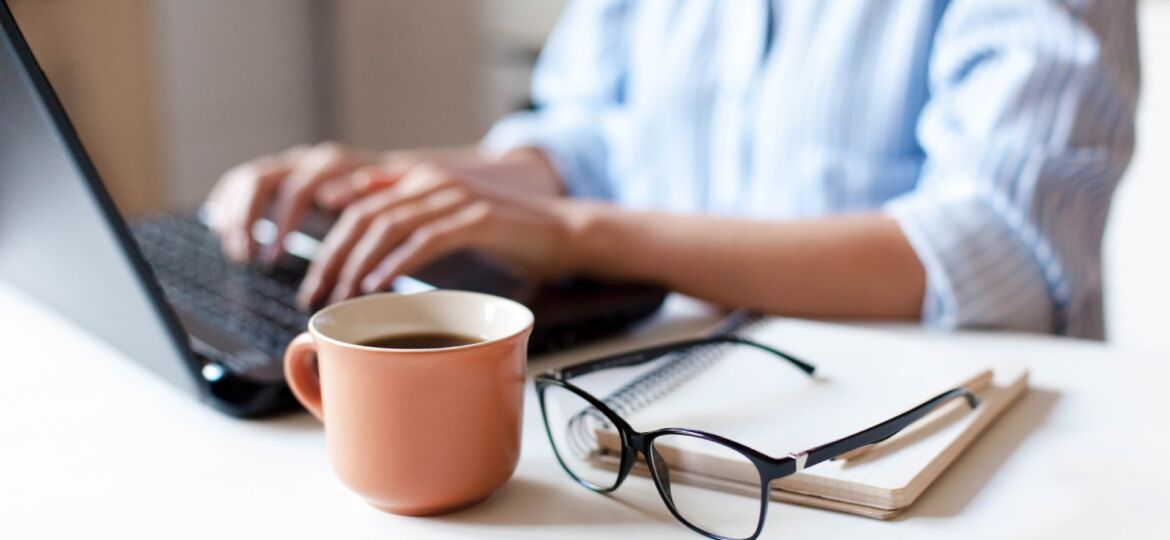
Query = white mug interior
x=474 y=315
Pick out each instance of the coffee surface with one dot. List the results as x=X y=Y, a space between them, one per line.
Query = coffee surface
x=429 y=340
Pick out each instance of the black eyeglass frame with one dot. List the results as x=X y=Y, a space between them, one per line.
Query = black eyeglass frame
x=769 y=468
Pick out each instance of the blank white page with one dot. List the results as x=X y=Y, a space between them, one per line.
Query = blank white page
x=863 y=377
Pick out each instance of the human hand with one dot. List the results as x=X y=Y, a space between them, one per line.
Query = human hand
x=288 y=182
x=430 y=211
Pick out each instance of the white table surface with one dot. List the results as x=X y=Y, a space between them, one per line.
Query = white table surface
x=91 y=445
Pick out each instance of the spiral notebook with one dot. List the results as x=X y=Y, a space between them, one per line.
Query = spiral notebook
x=864 y=377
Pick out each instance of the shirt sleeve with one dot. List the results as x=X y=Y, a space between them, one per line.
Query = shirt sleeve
x=1027 y=130
x=578 y=89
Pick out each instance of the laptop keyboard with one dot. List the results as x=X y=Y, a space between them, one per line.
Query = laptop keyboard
x=253 y=308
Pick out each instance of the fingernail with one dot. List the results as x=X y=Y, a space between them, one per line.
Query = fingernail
x=377 y=276
x=370 y=284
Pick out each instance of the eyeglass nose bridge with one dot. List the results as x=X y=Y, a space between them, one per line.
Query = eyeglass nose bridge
x=632 y=443
x=637 y=443
x=641 y=443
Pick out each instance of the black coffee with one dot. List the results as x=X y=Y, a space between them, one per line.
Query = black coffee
x=433 y=340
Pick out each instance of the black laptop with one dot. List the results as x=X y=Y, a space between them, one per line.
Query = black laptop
x=159 y=288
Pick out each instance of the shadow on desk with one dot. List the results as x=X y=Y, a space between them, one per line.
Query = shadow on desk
x=298 y=421
x=975 y=467
x=528 y=502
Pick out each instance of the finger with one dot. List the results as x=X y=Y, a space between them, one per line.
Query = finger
x=234 y=195
x=330 y=255
x=237 y=205
x=390 y=229
x=224 y=191
x=253 y=204
x=459 y=230
x=341 y=192
x=295 y=194
x=423 y=179
x=328 y=261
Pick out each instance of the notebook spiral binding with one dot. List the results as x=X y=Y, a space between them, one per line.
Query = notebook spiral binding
x=661 y=381
x=682 y=367
x=581 y=431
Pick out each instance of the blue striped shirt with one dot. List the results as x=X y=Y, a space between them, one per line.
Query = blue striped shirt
x=993 y=131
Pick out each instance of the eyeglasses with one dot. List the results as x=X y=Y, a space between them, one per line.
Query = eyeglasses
x=599 y=449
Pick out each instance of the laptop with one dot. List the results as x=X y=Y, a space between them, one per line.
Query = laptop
x=160 y=290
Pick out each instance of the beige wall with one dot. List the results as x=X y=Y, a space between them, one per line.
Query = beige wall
x=409 y=73
x=235 y=81
x=99 y=57
x=167 y=94
x=424 y=73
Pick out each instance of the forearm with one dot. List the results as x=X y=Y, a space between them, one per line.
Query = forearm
x=848 y=266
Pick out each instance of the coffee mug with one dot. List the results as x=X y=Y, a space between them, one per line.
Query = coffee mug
x=424 y=430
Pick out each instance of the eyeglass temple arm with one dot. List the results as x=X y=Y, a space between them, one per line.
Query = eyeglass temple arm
x=882 y=431
x=642 y=356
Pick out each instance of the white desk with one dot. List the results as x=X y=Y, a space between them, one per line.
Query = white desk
x=92 y=445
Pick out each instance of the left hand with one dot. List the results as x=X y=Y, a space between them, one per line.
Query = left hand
x=431 y=211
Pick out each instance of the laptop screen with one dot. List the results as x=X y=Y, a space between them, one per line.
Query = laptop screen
x=61 y=238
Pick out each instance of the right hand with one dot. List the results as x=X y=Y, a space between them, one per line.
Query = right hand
x=287 y=183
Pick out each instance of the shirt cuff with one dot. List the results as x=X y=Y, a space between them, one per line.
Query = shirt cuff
x=979 y=274
x=574 y=148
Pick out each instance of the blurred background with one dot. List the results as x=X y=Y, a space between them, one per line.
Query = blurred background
x=167 y=94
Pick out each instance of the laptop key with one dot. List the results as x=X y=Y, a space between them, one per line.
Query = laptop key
x=224 y=298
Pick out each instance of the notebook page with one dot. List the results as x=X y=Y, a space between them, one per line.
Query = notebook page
x=863 y=377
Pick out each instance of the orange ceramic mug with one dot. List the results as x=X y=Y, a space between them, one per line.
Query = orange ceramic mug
x=417 y=431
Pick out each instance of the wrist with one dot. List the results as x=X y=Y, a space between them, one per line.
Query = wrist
x=530 y=162
x=587 y=245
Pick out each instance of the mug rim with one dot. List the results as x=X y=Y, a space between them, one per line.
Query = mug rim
x=318 y=334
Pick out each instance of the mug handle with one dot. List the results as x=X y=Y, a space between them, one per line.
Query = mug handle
x=302 y=378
